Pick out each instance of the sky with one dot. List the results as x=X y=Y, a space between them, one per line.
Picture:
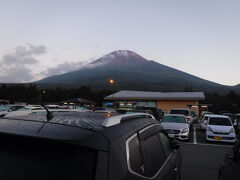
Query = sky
x=40 y=38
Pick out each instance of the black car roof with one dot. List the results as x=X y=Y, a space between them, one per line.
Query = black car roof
x=85 y=120
x=84 y=128
x=72 y=127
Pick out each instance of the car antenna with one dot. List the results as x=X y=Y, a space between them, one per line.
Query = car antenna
x=49 y=117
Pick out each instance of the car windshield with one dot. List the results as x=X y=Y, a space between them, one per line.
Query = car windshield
x=174 y=119
x=23 y=109
x=219 y=121
x=183 y=112
x=4 y=108
x=24 y=158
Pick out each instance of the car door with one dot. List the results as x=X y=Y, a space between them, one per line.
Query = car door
x=150 y=155
x=145 y=155
x=173 y=157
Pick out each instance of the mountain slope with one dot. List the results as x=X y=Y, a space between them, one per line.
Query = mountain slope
x=133 y=72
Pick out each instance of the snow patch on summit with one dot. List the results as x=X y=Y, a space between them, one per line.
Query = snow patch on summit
x=125 y=53
x=117 y=57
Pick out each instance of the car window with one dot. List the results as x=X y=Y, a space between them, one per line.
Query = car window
x=135 y=156
x=15 y=108
x=183 y=112
x=193 y=113
x=153 y=154
x=166 y=144
x=29 y=158
x=4 y=108
x=23 y=109
x=38 y=108
x=220 y=121
x=174 y=119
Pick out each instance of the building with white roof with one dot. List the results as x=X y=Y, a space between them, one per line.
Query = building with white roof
x=163 y=100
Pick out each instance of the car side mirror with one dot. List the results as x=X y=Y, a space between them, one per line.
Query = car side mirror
x=174 y=143
x=205 y=122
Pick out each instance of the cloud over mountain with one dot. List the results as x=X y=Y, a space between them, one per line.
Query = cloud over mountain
x=16 y=65
x=63 y=68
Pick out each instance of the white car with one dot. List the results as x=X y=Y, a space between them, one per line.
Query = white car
x=220 y=128
x=176 y=126
x=185 y=112
x=203 y=121
x=7 y=110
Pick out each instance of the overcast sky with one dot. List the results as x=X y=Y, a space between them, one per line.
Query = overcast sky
x=44 y=37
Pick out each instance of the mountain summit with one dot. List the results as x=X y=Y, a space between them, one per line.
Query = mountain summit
x=132 y=72
x=121 y=57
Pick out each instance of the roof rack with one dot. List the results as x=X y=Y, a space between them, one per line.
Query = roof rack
x=114 y=120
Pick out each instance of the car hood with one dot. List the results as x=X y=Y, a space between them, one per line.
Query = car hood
x=174 y=125
x=220 y=129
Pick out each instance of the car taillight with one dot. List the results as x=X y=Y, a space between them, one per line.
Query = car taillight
x=188 y=118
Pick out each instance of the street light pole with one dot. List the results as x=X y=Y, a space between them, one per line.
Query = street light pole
x=42 y=93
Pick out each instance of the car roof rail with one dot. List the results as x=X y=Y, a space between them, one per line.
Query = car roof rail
x=114 y=120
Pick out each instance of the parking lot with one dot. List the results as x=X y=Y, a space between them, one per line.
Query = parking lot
x=201 y=159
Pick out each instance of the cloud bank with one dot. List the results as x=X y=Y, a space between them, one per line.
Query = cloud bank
x=63 y=68
x=16 y=66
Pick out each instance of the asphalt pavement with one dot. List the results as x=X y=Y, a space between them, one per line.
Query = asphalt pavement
x=201 y=159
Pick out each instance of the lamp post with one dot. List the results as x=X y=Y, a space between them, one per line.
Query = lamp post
x=111 y=82
x=42 y=93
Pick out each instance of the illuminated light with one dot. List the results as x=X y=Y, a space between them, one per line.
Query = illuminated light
x=204 y=106
x=44 y=92
x=65 y=103
x=194 y=106
x=108 y=115
x=70 y=103
x=111 y=81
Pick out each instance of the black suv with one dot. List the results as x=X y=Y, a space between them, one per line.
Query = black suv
x=87 y=145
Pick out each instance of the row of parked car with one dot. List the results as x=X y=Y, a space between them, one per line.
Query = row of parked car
x=19 y=110
x=218 y=128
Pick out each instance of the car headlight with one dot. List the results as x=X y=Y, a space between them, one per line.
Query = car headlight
x=184 y=130
x=232 y=130
x=209 y=129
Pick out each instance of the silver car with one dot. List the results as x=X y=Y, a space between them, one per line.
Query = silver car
x=176 y=126
x=9 y=109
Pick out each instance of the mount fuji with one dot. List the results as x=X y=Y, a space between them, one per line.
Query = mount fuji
x=131 y=71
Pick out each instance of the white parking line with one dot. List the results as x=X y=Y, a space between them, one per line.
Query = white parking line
x=194 y=136
x=202 y=144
